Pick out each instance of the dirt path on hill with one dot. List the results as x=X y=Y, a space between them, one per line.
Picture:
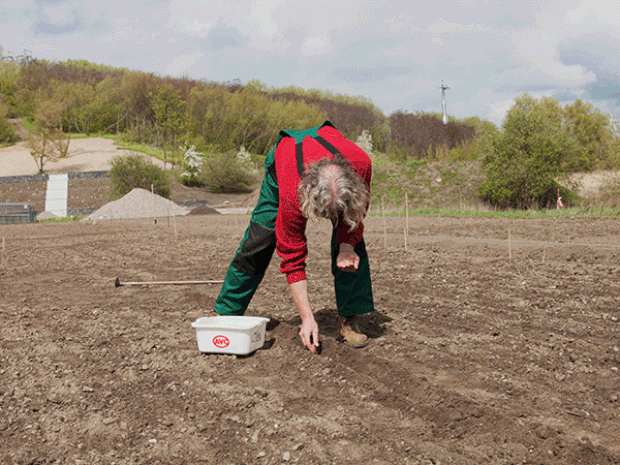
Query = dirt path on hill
x=88 y=154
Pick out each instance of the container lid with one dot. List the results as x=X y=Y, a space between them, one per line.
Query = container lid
x=228 y=322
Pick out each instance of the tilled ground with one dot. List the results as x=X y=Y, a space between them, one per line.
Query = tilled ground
x=484 y=350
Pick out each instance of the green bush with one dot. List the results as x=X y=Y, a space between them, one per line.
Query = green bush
x=7 y=134
x=135 y=171
x=6 y=130
x=525 y=162
x=225 y=173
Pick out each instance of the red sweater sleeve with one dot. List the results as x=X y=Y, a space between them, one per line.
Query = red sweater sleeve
x=291 y=241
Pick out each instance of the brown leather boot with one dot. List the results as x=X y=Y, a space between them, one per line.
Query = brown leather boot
x=350 y=332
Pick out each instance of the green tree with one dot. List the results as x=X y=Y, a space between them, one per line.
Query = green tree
x=6 y=130
x=42 y=150
x=48 y=142
x=247 y=118
x=478 y=147
x=31 y=87
x=76 y=98
x=527 y=157
x=170 y=116
x=9 y=76
x=484 y=129
x=289 y=115
x=208 y=107
x=48 y=123
x=197 y=122
x=107 y=107
x=593 y=135
x=136 y=90
x=614 y=149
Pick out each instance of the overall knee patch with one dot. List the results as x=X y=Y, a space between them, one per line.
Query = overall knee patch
x=256 y=251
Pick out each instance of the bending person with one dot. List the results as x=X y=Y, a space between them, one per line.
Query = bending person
x=310 y=174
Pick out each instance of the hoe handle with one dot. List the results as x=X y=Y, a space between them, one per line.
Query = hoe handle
x=118 y=283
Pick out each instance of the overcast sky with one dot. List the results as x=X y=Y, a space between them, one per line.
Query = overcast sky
x=393 y=52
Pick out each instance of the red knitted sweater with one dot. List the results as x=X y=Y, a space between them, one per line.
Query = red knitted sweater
x=290 y=223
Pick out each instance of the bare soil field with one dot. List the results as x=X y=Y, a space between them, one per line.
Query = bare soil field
x=484 y=350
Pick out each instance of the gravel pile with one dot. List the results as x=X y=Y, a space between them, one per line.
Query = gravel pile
x=139 y=203
x=46 y=216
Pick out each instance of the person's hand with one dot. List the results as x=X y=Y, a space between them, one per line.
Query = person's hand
x=309 y=334
x=347 y=259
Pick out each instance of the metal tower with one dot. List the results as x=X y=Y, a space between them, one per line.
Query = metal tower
x=444 y=111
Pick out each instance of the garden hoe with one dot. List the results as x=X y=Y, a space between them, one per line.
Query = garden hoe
x=118 y=283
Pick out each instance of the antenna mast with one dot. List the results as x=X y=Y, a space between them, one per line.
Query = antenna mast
x=444 y=111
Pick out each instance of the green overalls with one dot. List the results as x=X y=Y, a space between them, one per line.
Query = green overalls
x=247 y=269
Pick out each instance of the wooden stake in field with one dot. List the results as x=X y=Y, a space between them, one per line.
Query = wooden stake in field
x=2 y=262
x=384 y=227
x=406 y=213
x=405 y=234
x=153 y=199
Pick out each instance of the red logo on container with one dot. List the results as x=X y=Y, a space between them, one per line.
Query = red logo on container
x=221 y=341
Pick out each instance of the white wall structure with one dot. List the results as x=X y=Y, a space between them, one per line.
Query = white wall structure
x=56 y=194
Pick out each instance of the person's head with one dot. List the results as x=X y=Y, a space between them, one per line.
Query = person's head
x=331 y=189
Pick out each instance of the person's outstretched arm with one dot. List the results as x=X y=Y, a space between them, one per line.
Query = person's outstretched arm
x=309 y=328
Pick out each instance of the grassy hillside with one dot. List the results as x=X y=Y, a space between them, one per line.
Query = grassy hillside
x=438 y=184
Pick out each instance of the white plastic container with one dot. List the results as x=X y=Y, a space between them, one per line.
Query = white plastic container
x=239 y=335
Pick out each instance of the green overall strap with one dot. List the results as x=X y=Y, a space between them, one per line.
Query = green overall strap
x=299 y=137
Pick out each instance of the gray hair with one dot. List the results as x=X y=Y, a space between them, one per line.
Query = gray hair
x=332 y=189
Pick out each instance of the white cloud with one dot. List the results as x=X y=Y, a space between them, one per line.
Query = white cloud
x=58 y=13
x=263 y=12
x=595 y=12
x=401 y=24
x=498 y=107
x=444 y=27
x=316 y=46
x=124 y=35
x=196 y=21
x=436 y=40
x=199 y=28
x=536 y=49
x=182 y=65
x=16 y=4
